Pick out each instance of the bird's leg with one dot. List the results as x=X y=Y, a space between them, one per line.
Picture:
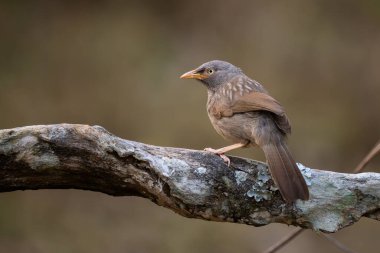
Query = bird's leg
x=226 y=149
x=220 y=152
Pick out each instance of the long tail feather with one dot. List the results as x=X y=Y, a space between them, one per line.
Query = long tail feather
x=285 y=172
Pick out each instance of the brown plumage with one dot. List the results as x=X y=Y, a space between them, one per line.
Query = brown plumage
x=242 y=111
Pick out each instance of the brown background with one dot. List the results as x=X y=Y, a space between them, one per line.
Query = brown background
x=117 y=64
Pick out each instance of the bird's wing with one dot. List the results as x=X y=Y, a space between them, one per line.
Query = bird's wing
x=258 y=101
x=253 y=97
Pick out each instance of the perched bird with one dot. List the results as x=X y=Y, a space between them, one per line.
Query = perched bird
x=242 y=111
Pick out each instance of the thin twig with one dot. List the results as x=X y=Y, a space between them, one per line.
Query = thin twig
x=337 y=244
x=368 y=158
x=285 y=240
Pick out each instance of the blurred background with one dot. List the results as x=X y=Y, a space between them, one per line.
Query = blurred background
x=117 y=64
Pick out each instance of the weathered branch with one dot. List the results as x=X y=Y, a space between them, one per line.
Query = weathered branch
x=193 y=183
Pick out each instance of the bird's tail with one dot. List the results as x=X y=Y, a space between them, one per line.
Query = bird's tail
x=285 y=172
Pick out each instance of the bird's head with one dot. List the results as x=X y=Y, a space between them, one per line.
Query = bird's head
x=213 y=73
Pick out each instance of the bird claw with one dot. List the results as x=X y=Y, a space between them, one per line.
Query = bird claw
x=221 y=155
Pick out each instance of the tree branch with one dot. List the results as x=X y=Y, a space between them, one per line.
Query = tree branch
x=192 y=183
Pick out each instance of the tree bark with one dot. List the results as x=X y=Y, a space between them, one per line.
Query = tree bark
x=194 y=184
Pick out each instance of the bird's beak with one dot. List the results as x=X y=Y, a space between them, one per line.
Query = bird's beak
x=193 y=74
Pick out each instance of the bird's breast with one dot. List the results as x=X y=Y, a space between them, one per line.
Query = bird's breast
x=236 y=128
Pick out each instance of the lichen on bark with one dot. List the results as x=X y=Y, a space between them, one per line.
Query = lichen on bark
x=192 y=183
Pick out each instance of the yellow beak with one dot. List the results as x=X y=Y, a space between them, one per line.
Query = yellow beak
x=193 y=74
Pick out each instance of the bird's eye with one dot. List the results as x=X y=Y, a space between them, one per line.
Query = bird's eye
x=210 y=71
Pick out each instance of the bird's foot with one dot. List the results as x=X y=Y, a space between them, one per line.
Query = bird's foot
x=222 y=155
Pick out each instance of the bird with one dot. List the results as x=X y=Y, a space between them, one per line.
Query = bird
x=242 y=111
